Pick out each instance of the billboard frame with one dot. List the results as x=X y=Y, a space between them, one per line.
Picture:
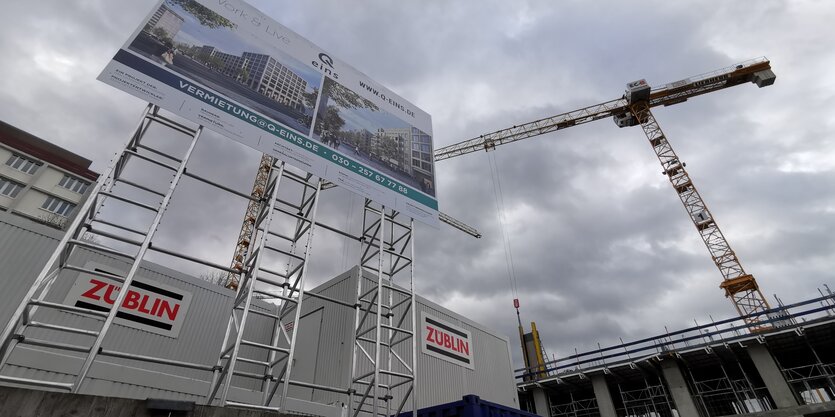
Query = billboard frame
x=219 y=69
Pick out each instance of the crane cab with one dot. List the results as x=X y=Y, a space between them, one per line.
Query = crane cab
x=636 y=91
x=625 y=120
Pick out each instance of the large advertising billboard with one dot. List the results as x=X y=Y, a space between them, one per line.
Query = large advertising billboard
x=227 y=66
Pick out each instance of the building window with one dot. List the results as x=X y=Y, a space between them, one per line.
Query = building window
x=74 y=184
x=9 y=188
x=23 y=164
x=58 y=206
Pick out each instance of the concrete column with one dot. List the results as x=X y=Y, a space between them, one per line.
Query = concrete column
x=603 y=396
x=777 y=386
x=540 y=402
x=684 y=403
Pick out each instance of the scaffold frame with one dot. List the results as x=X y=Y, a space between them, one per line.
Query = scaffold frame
x=285 y=289
x=387 y=248
x=87 y=221
x=387 y=254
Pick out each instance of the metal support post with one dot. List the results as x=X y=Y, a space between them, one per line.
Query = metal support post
x=21 y=320
x=260 y=283
x=385 y=319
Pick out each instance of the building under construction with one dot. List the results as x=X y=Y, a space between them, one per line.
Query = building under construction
x=710 y=370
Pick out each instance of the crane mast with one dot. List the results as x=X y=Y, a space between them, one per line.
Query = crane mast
x=634 y=109
x=742 y=288
x=247 y=234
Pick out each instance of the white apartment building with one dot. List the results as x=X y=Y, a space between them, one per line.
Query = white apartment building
x=263 y=74
x=422 y=156
x=393 y=145
x=40 y=180
x=270 y=78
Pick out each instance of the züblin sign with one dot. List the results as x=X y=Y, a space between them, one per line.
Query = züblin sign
x=148 y=305
x=446 y=341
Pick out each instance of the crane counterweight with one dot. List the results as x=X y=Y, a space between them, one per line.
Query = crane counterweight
x=764 y=78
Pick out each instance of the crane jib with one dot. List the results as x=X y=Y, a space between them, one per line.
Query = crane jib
x=666 y=95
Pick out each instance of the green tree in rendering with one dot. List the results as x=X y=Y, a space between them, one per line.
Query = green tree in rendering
x=207 y=17
x=332 y=122
x=160 y=33
x=310 y=98
x=342 y=98
x=346 y=98
x=243 y=75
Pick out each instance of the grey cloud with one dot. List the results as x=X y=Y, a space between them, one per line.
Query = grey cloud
x=601 y=245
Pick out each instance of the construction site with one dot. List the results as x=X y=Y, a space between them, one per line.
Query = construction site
x=111 y=308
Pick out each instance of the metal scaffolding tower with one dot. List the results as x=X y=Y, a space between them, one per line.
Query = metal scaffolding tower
x=290 y=241
x=385 y=344
x=31 y=314
x=642 y=394
x=253 y=369
x=586 y=407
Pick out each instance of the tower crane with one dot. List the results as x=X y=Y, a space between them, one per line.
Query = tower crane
x=633 y=109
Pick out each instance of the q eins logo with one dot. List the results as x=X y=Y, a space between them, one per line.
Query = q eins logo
x=325 y=65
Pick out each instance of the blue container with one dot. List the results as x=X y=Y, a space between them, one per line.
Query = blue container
x=469 y=406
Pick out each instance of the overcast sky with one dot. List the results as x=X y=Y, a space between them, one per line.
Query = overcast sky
x=601 y=244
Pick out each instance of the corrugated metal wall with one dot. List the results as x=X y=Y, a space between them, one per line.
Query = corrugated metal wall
x=24 y=248
x=439 y=381
x=325 y=330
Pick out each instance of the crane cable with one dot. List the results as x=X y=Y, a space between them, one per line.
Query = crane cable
x=499 y=197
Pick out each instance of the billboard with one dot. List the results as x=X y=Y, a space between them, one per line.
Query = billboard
x=148 y=306
x=227 y=66
x=446 y=341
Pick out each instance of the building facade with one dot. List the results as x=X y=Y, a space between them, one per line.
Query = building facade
x=40 y=180
x=263 y=74
x=233 y=65
x=272 y=79
x=422 y=159
x=393 y=146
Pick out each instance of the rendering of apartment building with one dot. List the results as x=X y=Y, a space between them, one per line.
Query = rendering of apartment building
x=263 y=74
x=421 y=156
x=233 y=65
x=272 y=79
x=207 y=49
x=40 y=180
x=393 y=146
